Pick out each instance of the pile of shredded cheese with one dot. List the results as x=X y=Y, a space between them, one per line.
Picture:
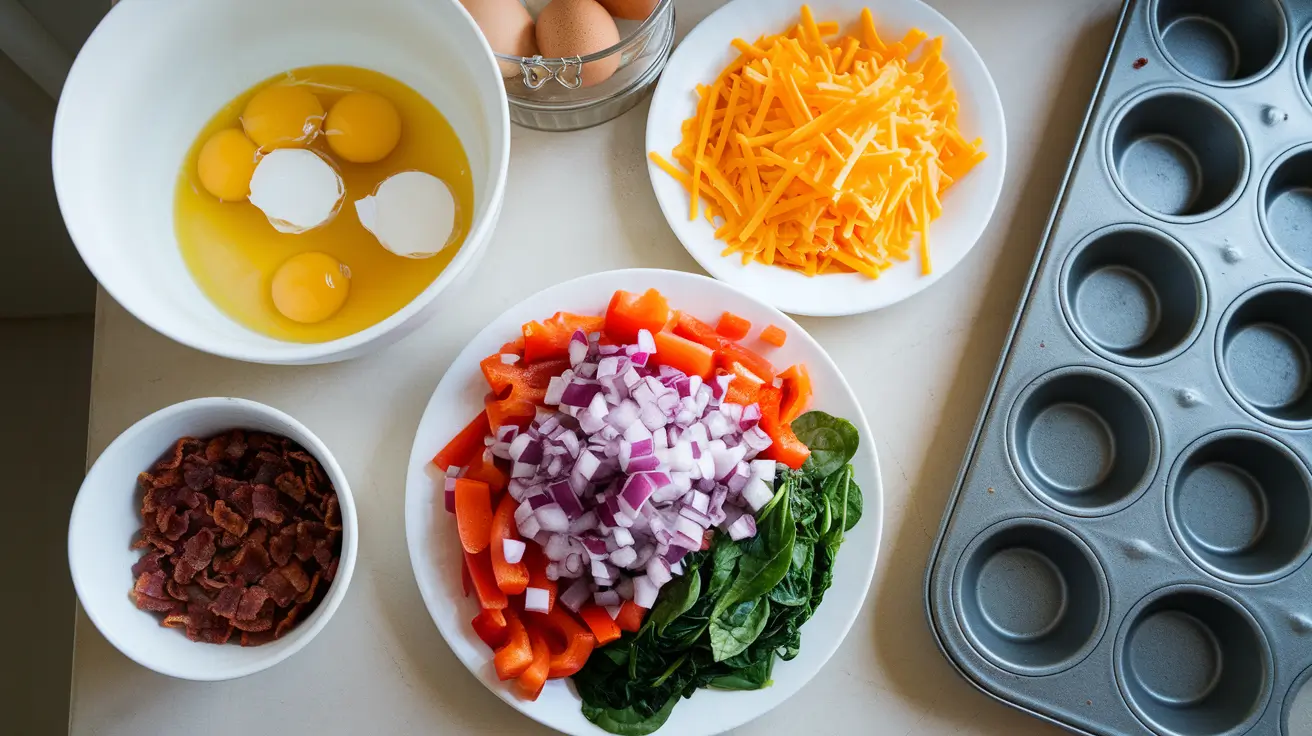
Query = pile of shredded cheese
x=825 y=157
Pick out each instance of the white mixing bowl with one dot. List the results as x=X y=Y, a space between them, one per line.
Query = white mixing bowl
x=107 y=518
x=154 y=73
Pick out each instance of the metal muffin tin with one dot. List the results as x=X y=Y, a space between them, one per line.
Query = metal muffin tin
x=1126 y=548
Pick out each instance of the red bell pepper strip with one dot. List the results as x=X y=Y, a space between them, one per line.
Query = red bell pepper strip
x=517 y=389
x=744 y=388
x=628 y=313
x=604 y=629
x=466 y=582
x=577 y=640
x=630 y=617
x=727 y=352
x=484 y=582
x=483 y=468
x=784 y=446
x=796 y=393
x=464 y=446
x=690 y=357
x=511 y=577
x=473 y=514
x=732 y=326
x=491 y=627
x=550 y=338
x=774 y=335
x=533 y=679
x=516 y=655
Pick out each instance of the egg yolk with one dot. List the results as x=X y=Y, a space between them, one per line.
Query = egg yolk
x=363 y=127
x=226 y=163
x=310 y=287
x=282 y=116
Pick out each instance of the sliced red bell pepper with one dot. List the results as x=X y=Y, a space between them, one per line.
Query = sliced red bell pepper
x=517 y=389
x=484 y=469
x=628 y=313
x=744 y=388
x=491 y=627
x=473 y=514
x=550 y=338
x=484 y=582
x=784 y=446
x=512 y=577
x=536 y=562
x=533 y=679
x=466 y=582
x=604 y=629
x=630 y=617
x=774 y=335
x=796 y=393
x=727 y=352
x=690 y=357
x=516 y=655
x=464 y=446
x=514 y=347
x=732 y=326
x=574 y=636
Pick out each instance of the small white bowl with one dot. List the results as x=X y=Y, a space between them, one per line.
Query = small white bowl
x=106 y=519
x=967 y=207
x=154 y=73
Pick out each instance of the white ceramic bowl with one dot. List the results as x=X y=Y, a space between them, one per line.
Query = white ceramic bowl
x=106 y=519
x=435 y=546
x=154 y=73
x=967 y=207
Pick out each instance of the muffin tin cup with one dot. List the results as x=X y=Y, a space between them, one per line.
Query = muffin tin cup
x=1285 y=207
x=1192 y=661
x=1084 y=441
x=1221 y=42
x=1133 y=295
x=1177 y=155
x=1296 y=715
x=1263 y=353
x=1031 y=597
x=1240 y=505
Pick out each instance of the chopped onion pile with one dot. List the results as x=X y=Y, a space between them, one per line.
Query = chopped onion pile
x=631 y=471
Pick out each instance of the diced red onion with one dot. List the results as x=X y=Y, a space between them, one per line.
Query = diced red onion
x=557 y=547
x=757 y=494
x=645 y=591
x=658 y=569
x=529 y=528
x=576 y=595
x=623 y=556
x=750 y=417
x=606 y=598
x=449 y=494
x=509 y=358
x=693 y=514
x=742 y=528
x=537 y=600
x=555 y=390
x=553 y=518
x=574 y=564
x=512 y=550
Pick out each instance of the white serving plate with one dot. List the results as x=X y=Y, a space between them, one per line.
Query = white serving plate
x=967 y=206
x=435 y=547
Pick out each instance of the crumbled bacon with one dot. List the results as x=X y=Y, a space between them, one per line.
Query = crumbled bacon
x=222 y=513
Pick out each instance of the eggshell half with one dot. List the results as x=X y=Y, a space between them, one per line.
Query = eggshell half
x=569 y=28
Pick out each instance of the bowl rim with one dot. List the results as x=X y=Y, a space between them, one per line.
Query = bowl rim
x=301 y=634
x=662 y=6
x=99 y=46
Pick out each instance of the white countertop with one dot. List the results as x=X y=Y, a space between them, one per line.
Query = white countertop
x=921 y=369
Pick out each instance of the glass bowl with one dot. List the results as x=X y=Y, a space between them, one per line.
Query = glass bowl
x=548 y=94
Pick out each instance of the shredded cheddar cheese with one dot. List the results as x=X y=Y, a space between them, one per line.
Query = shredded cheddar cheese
x=825 y=156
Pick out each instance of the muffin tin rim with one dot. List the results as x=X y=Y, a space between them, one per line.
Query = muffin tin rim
x=1156 y=32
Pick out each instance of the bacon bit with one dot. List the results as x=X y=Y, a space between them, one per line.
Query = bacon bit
x=223 y=511
x=1140 y=63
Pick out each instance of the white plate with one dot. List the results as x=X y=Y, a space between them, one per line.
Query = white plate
x=967 y=207
x=434 y=546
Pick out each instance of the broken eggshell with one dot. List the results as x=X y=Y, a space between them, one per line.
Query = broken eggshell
x=297 y=189
x=412 y=213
